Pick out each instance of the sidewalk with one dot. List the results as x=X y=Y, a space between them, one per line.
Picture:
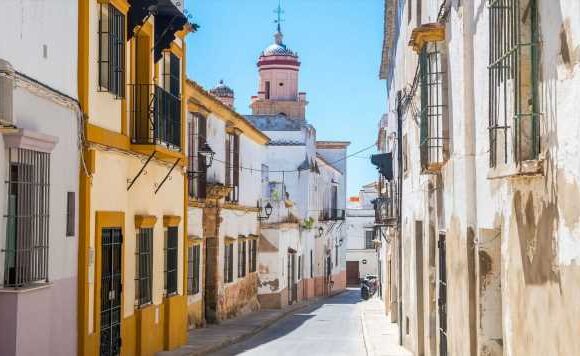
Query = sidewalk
x=214 y=337
x=381 y=336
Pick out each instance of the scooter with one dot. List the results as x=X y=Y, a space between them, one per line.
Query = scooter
x=368 y=287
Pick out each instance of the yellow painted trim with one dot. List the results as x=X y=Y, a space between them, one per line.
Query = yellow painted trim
x=194 y=240
x=161 y=152
x=195 y=203
x=102 y=136
x=86 y=343
x=247 y=209
x=176 y=50
x=229 y=239
x=171 y=220
x=121 y=5
x=195 y=107
x=252 y=237
x=106 y=219
x=145 y=221
x=199 y=95
x=431 y=32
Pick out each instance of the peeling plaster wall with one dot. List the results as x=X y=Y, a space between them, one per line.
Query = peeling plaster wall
x=513 y=243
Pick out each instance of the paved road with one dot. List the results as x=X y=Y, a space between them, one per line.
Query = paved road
x=331 y=328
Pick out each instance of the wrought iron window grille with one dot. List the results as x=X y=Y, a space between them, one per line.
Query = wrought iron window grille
x=155 y=116
x=193 y=269
x=112 y=50
x=26 y=249
x=514 y=110
x=197 y=162
x=228 y=263
x=434 y=126
x=143 y=283
x=171 y=253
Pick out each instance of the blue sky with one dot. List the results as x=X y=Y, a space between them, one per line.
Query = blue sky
x=339 y=44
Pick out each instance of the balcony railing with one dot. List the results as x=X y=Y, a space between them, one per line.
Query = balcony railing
x=386 y=205
x=155 y=116
x=331 y=214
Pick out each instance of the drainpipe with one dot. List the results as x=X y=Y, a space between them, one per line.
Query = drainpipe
x=400 y=209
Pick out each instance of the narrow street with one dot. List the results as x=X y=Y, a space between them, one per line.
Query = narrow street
x=340 y=325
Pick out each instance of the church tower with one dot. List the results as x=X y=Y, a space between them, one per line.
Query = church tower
x=279 y=70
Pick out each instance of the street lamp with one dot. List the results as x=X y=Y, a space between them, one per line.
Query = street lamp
x=267 y=211
x=206 y=152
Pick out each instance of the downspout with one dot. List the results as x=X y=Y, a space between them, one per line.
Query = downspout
x=400 y=210
x=470 y=173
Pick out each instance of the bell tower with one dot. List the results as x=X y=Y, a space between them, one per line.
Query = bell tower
x=279 y=69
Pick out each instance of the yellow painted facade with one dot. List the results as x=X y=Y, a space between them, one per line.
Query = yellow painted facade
x=112 y=159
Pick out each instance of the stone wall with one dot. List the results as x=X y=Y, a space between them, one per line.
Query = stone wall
x=239 y=298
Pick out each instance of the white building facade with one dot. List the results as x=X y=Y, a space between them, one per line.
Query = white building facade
x=362 y=253
x=487 y=246
x=40 y=162
x=302 y=250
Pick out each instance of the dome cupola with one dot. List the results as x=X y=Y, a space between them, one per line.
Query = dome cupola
x=224 y=93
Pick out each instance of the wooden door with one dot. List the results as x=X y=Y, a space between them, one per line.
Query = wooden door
x=352 y=273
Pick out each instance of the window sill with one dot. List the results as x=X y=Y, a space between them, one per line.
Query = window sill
x=26 y=289
x=196 y=203
x=529 y=168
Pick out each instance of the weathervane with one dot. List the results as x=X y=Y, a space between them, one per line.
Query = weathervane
x=278 y=11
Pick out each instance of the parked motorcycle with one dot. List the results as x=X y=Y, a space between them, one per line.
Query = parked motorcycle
x=368 y=287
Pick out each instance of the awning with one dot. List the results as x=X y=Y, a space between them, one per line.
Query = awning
x=384 y=163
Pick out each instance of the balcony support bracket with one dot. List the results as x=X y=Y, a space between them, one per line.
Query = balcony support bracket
x=141 y=170
x=167 y=176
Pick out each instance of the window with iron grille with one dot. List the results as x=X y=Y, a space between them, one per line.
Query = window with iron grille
x=233 y=166
x=27 y=218
x=143 y=286
x=171 y=73
x=369 y=239
x=434 y=127
x=514 y=130
x=228 y=262
x=242 y=255
x=311 y=264
x=70 y=213
x=112 y=50
x=171 y=260
x=193 y=268
x=196 y=131
x=253 y=254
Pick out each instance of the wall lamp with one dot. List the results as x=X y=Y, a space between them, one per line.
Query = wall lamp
x=264 y=212
x=206 y=152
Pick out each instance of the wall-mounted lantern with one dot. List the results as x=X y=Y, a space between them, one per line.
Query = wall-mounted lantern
x=264 y=212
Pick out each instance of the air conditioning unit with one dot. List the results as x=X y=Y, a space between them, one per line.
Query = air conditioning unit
x=6 y=93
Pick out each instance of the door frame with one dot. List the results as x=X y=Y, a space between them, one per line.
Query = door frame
x=103 y=220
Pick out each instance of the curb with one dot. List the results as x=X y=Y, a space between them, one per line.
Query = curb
x=236 y=339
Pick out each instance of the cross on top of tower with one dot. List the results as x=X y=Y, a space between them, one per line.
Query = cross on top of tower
x=278 y=11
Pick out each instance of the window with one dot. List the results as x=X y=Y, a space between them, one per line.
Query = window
x=233 y=166
x=112 y=50
x=434 y=128
x=514 y=130
x=253 y=254
x=70 y=213
x=228 y=262
x=311 y=264
x=299 y=267
x=242 y=255
x=196 y=163
x=171 y=241
x=193 y=267
x=171 y=73
x=267 y=90
x=144 y=266
x=369 y=239
x=27 y=218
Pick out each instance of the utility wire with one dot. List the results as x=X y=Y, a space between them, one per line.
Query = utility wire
x=299 y=169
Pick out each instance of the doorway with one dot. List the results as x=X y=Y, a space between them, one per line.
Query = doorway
x=110 y=328
x=352 y=273
x=292 y=282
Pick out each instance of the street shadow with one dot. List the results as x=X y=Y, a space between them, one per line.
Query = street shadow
x=290 y=323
